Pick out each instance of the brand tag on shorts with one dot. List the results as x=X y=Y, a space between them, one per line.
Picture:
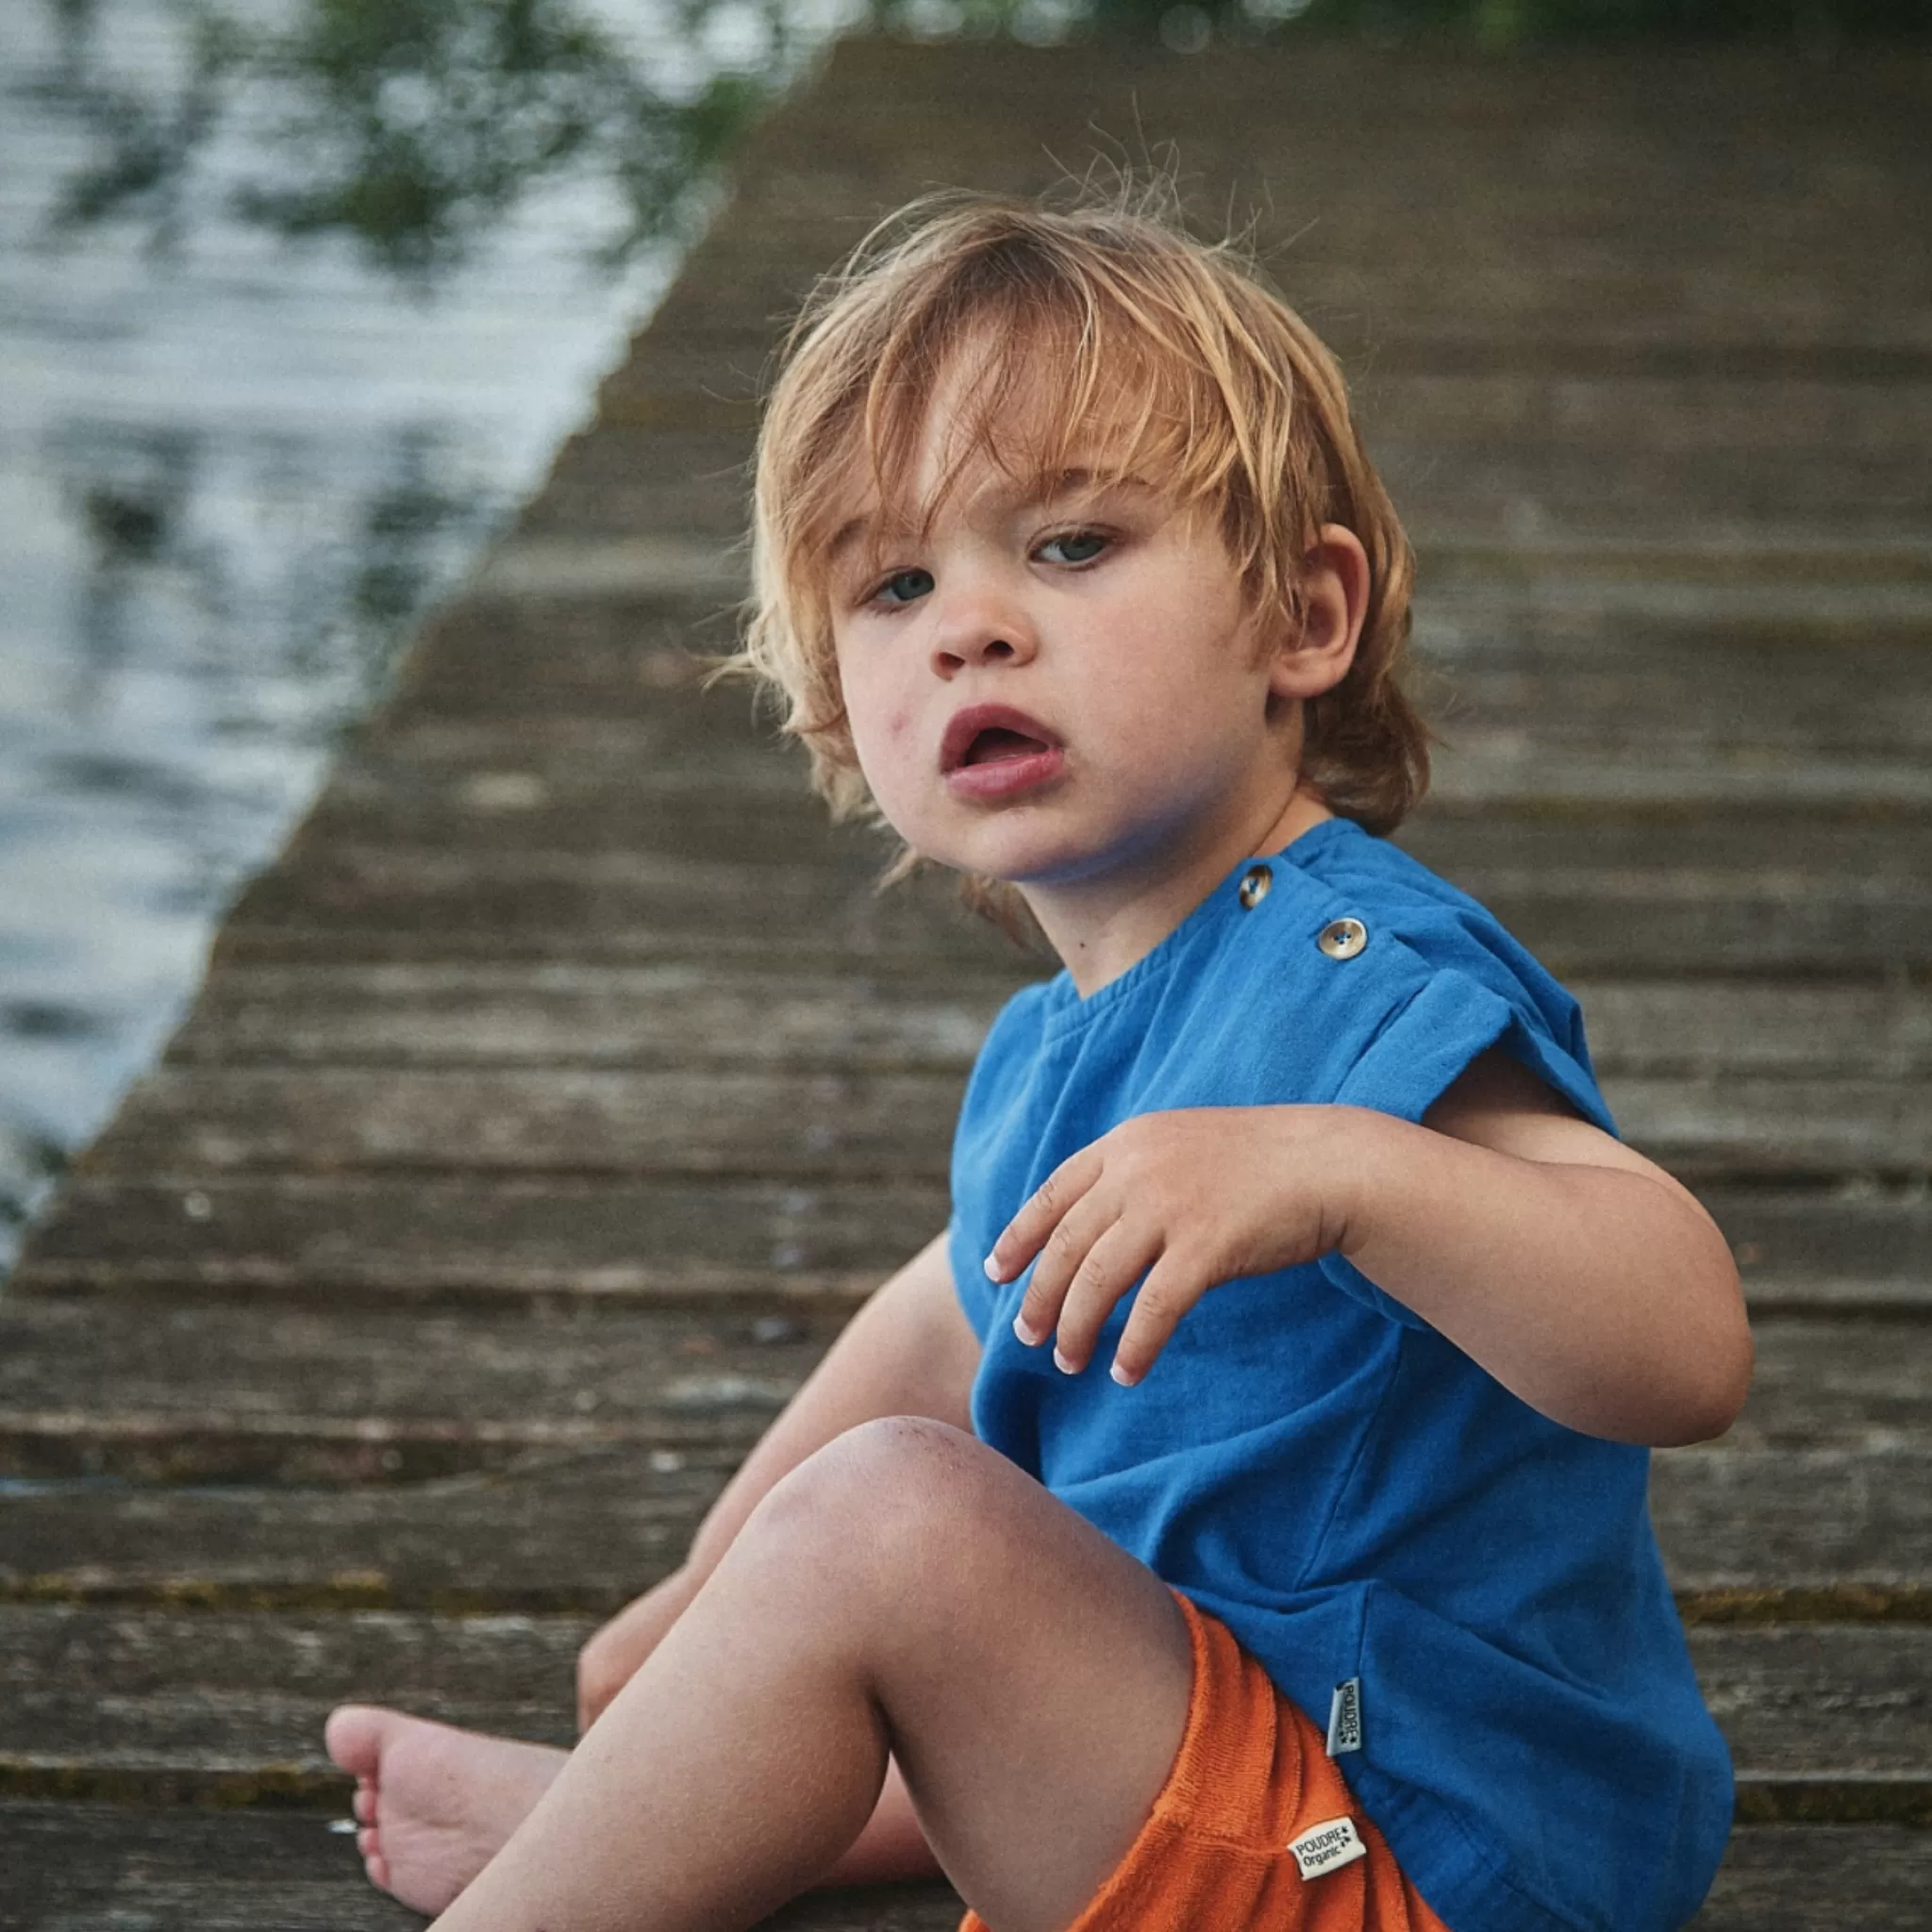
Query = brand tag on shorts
x=1345 y=1718
x=1328 y=1847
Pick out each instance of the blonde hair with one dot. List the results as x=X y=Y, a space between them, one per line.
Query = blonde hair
x=1233 y=406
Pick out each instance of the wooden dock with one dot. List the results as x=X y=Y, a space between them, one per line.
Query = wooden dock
x=565 y=1085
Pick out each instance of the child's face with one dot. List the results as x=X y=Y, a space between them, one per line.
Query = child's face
x=1056 y=683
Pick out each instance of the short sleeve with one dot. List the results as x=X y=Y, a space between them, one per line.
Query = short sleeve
x=1427 y=1043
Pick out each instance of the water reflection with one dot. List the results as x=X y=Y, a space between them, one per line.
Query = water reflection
x=232 y=472
x=414 y=127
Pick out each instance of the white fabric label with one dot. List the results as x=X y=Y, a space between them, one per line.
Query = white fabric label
x=1328 y=1847
x=1345 y=1718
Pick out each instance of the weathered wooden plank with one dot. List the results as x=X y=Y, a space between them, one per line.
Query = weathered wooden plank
x=213 y=1705
x=1821 y=1878
x=116 y=1868
x=562 y=1529
x=707 y=815
x=390 y=1238
x=228 y=1707
x=586 y=1120
x=724 y=1012
x=1855 y=1246
x=1832 y=1382
x=1782 y=414
x=1581 y=922
x=1858 y=1244
x=216 y=1392
x=1724 y=1124
x=668 y=479
x=106 y=1868
x=385 y=903
x=204 y=1694
x=199 y=1391
x=1508 y=769
x=1835 y=1703
x=1732 y=1519
x=569 y=1529
x=749 y=1013
x=113 y=1868
x=195 y=1119
x=1587 y=901
x=627 y=657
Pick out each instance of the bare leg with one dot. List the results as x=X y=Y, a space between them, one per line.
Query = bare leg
x=436 y=1804
x=931 y=1600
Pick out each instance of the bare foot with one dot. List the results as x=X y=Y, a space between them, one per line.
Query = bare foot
x=434 y=1803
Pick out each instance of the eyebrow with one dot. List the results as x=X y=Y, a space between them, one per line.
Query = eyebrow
x=1039 y=489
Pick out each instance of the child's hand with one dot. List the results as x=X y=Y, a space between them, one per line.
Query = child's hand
x=1189 y=1199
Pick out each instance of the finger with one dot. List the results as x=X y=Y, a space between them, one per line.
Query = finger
x=1025 y=1234
x=1173 y=1285
x=1066 y=1248
x=1111 y=1267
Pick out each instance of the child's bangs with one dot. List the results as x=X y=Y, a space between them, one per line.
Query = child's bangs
x=1044 y=384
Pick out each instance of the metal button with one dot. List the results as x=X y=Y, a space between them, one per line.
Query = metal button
x=1254 y=887
x=1343 y=939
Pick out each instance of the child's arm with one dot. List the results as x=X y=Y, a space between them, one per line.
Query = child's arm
x=909 y=1351
x=1579 y=1273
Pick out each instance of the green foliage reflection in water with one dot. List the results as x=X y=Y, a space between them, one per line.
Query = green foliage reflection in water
x=416 y=126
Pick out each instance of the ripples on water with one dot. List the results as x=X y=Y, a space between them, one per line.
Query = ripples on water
x=231 y=470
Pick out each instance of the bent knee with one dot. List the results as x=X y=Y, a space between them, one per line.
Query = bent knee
x=898 y=1479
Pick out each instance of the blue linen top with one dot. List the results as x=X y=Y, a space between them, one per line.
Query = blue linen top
x=1315 y=1465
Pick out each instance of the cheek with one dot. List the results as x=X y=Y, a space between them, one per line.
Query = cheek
x=883 y=729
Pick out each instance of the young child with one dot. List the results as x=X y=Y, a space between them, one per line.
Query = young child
x=1237 y=1518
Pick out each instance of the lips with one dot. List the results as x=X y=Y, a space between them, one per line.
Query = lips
x=992 y=733
x=992 y=755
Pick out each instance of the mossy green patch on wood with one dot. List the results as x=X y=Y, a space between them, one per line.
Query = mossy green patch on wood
x=260 y=1788
x=1841 y=1603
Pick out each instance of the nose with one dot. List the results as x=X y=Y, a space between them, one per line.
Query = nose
x=977 y=628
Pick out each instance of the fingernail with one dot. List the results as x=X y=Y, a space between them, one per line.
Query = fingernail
x=1064 y=1365
x=991 y=1267
x=1121 y=1376
x=1031 y=1336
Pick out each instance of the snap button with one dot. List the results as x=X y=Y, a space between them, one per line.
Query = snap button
x=1254 y=885
x=1343 y=939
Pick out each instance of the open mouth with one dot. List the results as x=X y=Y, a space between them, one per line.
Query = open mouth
x=990 y=747
x=993 y=734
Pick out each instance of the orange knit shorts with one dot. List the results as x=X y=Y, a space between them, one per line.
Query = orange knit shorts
x=1253 y=1777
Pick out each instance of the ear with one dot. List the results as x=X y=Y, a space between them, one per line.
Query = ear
x=1334 y=584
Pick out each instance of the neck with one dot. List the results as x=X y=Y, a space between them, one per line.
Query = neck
x=1103 y=925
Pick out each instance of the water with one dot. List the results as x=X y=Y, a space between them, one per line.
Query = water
x=231 y=470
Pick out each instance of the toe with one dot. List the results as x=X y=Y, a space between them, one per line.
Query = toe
x=353 y=1737
x=364 y=1804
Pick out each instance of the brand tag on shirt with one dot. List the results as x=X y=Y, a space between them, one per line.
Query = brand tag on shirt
x=1345 y=1718
x=1328 y=1847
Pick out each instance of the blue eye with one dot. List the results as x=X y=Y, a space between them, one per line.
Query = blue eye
x=1075 y=546
x=906 y=587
